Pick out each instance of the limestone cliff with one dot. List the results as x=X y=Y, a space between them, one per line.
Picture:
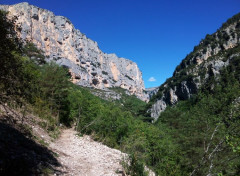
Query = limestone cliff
x=204 y=63
x=151 y=91
x=61 y=42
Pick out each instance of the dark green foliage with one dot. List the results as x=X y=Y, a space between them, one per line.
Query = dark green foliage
x=11 y=72
x=186 y=70
x=53 y=84
x=54 y=98
x=130 y=102
x=51 y=95
x=35 y=54
x=117 y=127
x=188 y=138
x=18 y=73
x=136 y=168
x=203 y=126
x=232 y=20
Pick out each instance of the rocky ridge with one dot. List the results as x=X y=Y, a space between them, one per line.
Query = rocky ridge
x=61 y=42
x=151 y=91
x=205 y=62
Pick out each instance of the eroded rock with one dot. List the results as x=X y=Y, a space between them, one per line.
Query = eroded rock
x=61 y=42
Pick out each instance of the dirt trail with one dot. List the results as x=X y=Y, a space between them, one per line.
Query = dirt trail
x=81 y=156
x=77 y=156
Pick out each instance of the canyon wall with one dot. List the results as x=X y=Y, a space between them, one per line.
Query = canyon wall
x=67 y=46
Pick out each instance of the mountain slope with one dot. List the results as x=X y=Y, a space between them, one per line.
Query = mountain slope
x=205 y=62
x=61 y=42
x=34 y=152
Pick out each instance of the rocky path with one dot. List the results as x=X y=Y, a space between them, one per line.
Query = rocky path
x=81 y=156
x=76 y=156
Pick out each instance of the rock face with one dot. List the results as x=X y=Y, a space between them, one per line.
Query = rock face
x=204 y=63
x=151 y=91
x=61 y=42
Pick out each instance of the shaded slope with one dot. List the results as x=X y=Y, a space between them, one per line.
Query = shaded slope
x=20 y=155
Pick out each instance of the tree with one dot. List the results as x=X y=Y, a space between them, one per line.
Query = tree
x=75 y=105
x=34 y=54
x=53 y=86
x=11 y=67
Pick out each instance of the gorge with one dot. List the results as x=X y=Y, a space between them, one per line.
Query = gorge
x=68 y=108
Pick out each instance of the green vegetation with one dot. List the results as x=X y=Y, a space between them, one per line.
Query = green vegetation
x=135 y=168
x=232 y=20
x=31 y=51
x=46 y=90
x=11 y=62
x=129 y=102
x=117 y=127
x=198 y=136
x=186 y=69
x=203 y=126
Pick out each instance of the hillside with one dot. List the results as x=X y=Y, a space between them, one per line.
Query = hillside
x=31 y=86
x=33 y=150
x=199 y=105
x=57 y=37
x=214 y=53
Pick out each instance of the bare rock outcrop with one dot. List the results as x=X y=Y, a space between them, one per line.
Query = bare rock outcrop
x=205 y=62
x=61 y=42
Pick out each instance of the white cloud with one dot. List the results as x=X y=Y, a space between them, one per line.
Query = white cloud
x=152 y=79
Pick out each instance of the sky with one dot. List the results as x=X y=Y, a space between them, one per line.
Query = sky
x=156 y=34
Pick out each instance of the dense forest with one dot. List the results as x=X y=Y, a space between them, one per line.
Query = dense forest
x=199 y=136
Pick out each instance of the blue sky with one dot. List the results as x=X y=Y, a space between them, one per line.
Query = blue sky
x=157 y=34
